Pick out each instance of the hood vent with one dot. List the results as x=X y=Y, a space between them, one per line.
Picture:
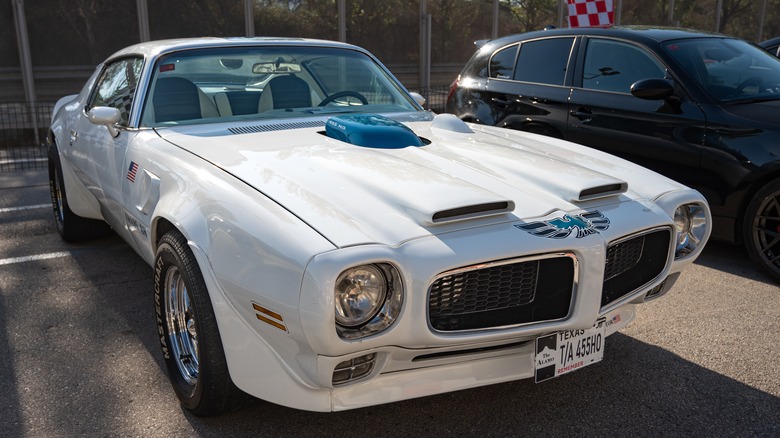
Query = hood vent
x=471 y=211
x=276 y=127
x=602 y=191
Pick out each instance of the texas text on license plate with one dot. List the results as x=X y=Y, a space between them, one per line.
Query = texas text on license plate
x=563 y=352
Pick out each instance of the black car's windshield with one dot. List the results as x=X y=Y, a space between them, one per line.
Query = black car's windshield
x=730 y=70
x=239 y=83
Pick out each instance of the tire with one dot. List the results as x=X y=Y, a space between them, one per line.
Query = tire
x=72 y=228
x=762 y=229
x=189 y=336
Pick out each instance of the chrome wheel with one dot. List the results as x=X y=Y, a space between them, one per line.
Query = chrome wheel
x=182 y=330
x=189 y=335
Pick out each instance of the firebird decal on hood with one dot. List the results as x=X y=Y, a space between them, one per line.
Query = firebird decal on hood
x=590 y=222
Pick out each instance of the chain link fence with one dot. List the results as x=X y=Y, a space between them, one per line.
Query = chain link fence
x=23 y=130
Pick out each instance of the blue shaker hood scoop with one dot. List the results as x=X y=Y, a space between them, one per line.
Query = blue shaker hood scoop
x=371 y=130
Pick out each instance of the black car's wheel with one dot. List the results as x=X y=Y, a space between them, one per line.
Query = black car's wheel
x=72 y=228
x=190 y=341
x=762 y=229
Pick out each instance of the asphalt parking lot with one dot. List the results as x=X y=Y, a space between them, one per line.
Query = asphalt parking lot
x=79 y=357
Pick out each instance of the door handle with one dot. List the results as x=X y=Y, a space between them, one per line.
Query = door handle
x=583 y=114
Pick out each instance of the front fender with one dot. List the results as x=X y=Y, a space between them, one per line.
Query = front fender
x=251 y=252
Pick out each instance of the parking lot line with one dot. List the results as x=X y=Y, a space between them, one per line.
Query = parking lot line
x=51 y=255
x=24 y=207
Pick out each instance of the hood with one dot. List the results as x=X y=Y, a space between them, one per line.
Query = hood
x=457 y=177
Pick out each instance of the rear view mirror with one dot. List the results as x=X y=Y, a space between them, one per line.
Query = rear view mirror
x=265 y=68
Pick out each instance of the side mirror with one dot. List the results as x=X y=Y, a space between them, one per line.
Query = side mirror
x=107 y=116
x=652 y=89
x=418 y=98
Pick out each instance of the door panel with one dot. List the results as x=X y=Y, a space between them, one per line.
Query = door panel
x=99 y=155
x=530 y=94
x=649 y=133
x=663 y=135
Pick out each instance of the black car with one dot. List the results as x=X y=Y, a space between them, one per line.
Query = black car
x=772 y=46
x=701 y=108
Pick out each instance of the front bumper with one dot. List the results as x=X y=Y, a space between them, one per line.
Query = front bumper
x=400 y=374
x=296 y=367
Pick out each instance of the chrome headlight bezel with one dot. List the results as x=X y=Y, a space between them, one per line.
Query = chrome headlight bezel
x=691 y=225
x=379 y=314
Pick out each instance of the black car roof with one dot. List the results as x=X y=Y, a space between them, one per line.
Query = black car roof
x=644 y=34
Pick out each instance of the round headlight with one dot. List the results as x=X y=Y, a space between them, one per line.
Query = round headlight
x=690 y=222
x=360 y=293
x=682 y=222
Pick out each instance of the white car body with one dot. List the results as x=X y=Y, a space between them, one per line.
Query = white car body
x=274 y=211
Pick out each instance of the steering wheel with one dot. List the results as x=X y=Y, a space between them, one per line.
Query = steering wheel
x=341 y=94
x=755 y=80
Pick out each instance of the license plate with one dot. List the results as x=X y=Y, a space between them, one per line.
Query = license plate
x=563 y=352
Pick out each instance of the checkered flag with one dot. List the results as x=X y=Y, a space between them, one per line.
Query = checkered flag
x=590 y=13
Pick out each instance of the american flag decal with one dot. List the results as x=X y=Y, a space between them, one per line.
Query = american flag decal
x=131 y=171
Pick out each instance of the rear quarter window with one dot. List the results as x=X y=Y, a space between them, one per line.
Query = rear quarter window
x=502 y=63
x=544 y=61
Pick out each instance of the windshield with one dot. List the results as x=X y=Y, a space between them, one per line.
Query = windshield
x=216 y=85
x=729 y=70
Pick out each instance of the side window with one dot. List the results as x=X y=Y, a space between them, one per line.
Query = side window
x=614 y=66
x=503 y=63
x=544 y=61
x=117 y=85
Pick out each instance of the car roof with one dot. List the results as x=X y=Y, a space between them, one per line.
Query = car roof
x=156 y=48
x=646 y=34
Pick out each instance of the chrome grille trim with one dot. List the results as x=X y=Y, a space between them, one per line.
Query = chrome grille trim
x=622 y=256
x=525 y=297
x=631 y=294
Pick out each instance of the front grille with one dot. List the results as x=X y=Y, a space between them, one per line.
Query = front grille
x=633 y=263
x=503 y=293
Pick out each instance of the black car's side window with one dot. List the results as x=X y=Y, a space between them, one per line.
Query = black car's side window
x=503 y=63
x=117 y=85
x=615 y=65
x=544 y=61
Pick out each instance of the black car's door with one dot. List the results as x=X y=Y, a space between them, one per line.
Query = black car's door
x=526 y=86
x=663 y=135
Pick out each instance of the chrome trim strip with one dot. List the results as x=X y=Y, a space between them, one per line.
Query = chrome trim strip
x=642 y=289
x=575 y=286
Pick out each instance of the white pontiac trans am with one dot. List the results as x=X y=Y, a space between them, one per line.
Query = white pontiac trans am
x=320 y=241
